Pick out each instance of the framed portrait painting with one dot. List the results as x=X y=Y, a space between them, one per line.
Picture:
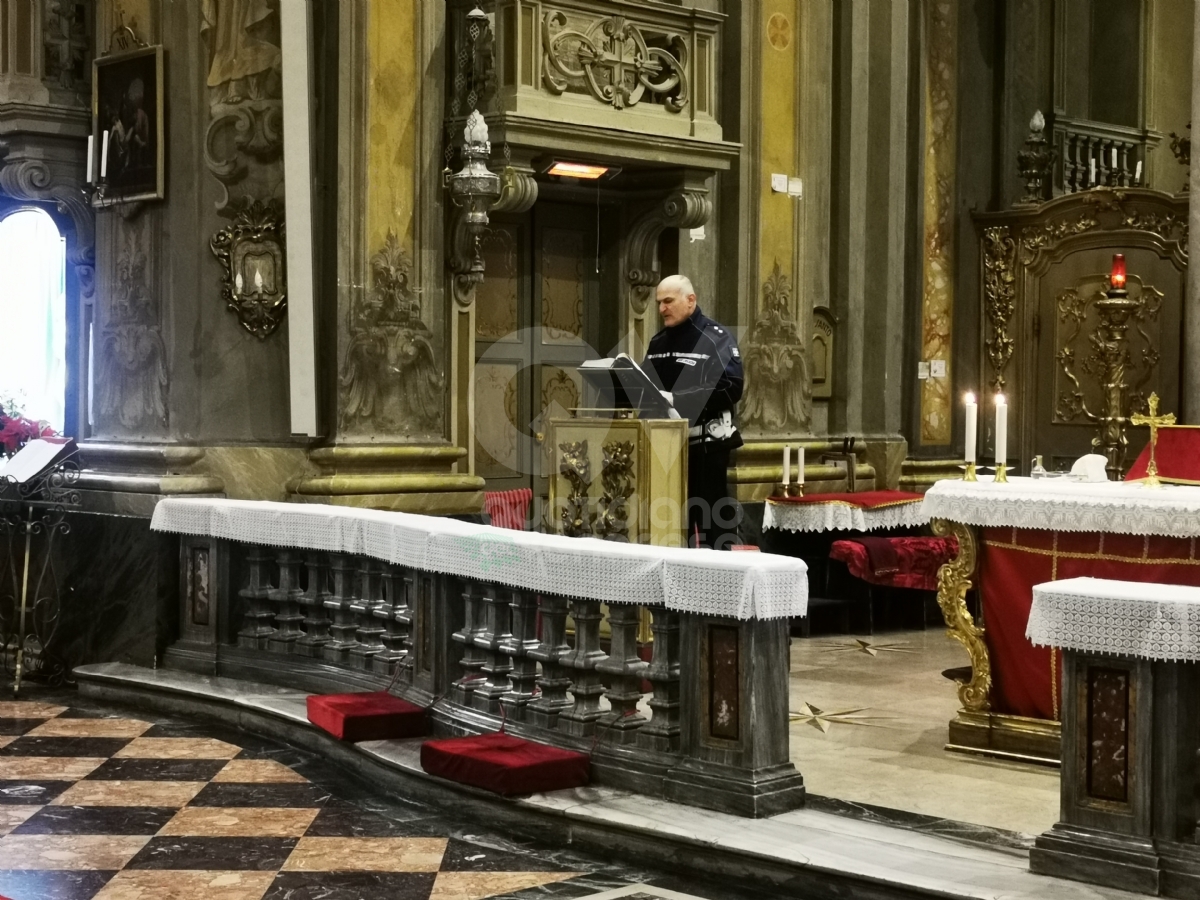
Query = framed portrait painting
x=127 y=122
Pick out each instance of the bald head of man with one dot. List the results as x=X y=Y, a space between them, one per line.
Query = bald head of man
x=676 y=299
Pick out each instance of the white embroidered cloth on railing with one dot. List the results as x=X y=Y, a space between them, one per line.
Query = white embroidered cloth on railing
x=709 y=582
x=1056 y=504
x=1126 y=618
x=841 y=517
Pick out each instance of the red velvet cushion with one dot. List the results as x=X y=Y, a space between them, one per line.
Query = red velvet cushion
x=376 y=716
x=917 y=559
x=504 y=764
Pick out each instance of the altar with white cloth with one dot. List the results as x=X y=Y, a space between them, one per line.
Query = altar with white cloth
x=1029 y=531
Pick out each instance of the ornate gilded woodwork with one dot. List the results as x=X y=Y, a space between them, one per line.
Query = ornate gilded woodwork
x=954 y=580
x=391 y=381
x=778 y=385
x=251 y=252
x=613 y=61
x=999 y=254
x=576 y=467
x=617 y=480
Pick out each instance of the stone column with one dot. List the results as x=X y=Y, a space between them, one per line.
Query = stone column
x=1191 y=323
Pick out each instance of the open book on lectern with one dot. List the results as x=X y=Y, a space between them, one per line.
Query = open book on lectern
x=35 y=458
x=622 y=384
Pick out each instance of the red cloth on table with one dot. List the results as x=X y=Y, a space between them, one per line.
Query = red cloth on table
x=908 y=562
x=505 y=764
x=375 y=716
x=1177 y=456
x=508 y=509
x=863 y=500
x=1027 y=680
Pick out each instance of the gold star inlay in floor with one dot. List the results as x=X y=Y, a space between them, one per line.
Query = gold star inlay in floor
x=867 y=647
x=822 y=720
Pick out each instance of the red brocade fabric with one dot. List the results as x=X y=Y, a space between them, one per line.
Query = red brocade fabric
x=508 y=509
x=863 y=499
x=505 y=764
x=1177 y=456
x=907 y=562
x=376 y=716
x=1027 y=680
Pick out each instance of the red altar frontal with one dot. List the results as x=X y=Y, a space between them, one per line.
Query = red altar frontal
x=1027 y=680
x=1025 y=532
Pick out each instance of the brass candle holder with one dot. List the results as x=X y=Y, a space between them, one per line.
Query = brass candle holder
x=789 y=490
x=1001 y=474
x=970 y=474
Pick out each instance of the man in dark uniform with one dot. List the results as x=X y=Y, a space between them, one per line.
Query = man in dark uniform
x=699 y=370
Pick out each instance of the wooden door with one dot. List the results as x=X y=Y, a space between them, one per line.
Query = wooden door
x=537 y=318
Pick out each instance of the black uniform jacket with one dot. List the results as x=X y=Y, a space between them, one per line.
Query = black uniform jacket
x=699 y=363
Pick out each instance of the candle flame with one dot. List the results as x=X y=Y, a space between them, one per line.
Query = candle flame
x=970 y=398
x=1000 y=400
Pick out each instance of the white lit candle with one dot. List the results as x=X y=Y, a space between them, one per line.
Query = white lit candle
x=90 y=157
x=1114 y=157
x=799 y=465
x=238 y=282
x=1137 y=173
x=104 y=157
x=258 y=282
x=1001 y=430
x=1092 y=170
x=787 y=465
x=972 y=426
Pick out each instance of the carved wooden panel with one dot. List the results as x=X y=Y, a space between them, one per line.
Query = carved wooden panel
x=496 y=407
x=496 y=299
x=563 y=253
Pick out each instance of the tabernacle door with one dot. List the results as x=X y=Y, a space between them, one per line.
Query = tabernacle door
x=622 y=479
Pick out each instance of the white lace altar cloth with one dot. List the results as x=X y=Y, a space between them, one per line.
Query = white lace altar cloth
x=841 y=516
x=1057 y=504
x=710 y=582
x=1125 y=618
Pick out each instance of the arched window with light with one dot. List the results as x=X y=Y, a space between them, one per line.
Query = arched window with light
x=33 y=310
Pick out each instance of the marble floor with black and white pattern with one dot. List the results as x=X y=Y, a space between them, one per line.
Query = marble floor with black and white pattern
x=102 y=803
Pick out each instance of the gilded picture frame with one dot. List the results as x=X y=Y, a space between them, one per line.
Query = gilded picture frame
x=127 y=105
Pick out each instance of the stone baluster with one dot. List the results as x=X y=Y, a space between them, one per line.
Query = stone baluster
x=494 y=636
x=520 y=645
x=586 y=687
x=370 y=629
x=316 y=622
x=624 y=670
x=554 y=680
x=406 y=619
x=258 y=614
x=395 y=599
x=344 y=629
x=662 y=731
x=472 y=659
x=286 y=599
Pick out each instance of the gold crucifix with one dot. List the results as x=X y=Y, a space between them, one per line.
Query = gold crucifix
x=1155 y=421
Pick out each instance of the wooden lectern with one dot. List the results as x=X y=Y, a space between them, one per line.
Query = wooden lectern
x=619 y=467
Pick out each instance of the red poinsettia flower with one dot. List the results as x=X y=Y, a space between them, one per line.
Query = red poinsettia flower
x=15 y=431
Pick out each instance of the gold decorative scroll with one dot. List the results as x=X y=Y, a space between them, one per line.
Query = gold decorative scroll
x=577 y=469
x=617 y=478
x=954 y=580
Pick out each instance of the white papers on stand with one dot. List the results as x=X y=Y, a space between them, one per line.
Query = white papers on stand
x=35 y=457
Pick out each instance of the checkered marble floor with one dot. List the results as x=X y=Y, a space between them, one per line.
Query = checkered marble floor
x=97 y=805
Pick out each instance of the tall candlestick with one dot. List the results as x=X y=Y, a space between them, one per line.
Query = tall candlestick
x=972 y=427
x=787 y=465
x=1001 y=430
x=90 y=159
x=799 y=465
x=1092 y=170
x=104 y=157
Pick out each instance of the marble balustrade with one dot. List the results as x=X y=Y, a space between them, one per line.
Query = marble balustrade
x=698 y=714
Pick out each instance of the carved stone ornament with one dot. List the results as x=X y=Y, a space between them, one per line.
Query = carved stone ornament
x=254 y=283
x=617 y=479
x=681 y=209
x=577 y=469
x=390 y=377
x=778 y=386
x=613 y=62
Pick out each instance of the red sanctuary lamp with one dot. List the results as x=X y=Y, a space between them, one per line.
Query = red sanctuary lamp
x=1117 y=278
